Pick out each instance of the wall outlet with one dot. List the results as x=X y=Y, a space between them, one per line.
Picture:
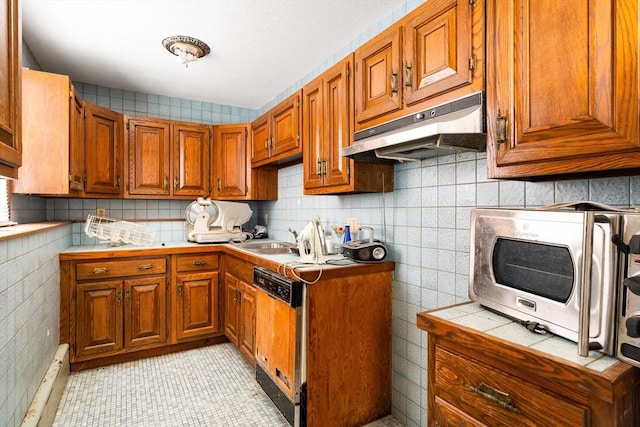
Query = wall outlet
x=101 y=212
x=353 y=224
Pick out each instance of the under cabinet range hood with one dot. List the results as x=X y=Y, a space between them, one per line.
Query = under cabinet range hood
x=455 y=127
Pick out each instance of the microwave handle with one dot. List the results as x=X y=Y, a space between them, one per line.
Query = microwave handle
x=585 y=285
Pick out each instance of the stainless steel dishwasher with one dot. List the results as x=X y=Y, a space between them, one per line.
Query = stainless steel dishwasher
x=280 y=342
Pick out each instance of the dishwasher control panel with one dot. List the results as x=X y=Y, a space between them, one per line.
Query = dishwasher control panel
x=278 y=286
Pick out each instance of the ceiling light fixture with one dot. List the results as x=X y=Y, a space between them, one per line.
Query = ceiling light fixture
x=187 y=49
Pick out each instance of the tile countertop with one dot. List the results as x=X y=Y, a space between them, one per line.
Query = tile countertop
x=474 y=316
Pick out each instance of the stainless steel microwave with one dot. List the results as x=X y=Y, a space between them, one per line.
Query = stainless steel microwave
x=546 y=267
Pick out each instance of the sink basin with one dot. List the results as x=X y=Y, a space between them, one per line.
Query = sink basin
x=269 y=248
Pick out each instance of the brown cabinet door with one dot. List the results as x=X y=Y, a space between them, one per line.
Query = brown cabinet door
x=378 y=79
x=437 y=49
x=247 y=316
x=313 y=134
x=103 y=150
x=191 y=145
x=285 y=127
x=76 y=143
x=231 y=307
x=562 y=83
x=145 y=311
x=327 y=123
x=98 y=319
x=230 y=161
x=196 y=312
x=260 y=142
x=148 y=151
x=338 y=122
x=10 y=95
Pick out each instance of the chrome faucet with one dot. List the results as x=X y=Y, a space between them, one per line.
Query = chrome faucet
x=295 y=234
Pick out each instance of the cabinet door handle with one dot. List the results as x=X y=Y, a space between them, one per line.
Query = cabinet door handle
x=118 y=181
x=165 y=185
x=100 y=270
x=319 y=168
x=199 y=263
x=324 y=167
x=394 y=82
x=118 y=297
x=219 y=185
x=175 y=183
x=127 y=296
x=145 y=267
x=501 y=128
x=496 y=396
x=180 y=290
x=408 y=76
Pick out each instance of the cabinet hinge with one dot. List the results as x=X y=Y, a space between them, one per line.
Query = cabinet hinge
x=298 y=137
x=472 y=62
x=349 y=172
x=348 y=71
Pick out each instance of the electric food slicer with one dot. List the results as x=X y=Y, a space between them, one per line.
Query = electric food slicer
x=213 y=221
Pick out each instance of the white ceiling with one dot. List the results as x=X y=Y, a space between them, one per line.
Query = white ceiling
x=259 y=48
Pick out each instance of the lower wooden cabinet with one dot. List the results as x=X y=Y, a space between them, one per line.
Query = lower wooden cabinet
x=479 y=379
x=196 y=312
x=120 y=314
x=126 y=307
x=240 y=307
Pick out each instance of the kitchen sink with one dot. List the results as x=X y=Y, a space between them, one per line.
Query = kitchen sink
x=270 y=248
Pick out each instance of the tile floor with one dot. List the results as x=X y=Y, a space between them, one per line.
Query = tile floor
x=210 y=386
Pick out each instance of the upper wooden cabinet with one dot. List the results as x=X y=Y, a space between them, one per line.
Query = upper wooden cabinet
x=103 y=151
x=327 y=123
x=82 y=141
x=562 y=87
x=433 y=55
x=167 y=159
x=232 y=177
x=53 y=123
x=275 y=136
x=10 y=95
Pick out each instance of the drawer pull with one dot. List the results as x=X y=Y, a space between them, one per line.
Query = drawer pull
x=199 y=263
x=496 y=396
x=145 y=267
x=100 y=270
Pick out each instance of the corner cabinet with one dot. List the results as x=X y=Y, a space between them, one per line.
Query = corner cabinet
x=275 y=136
x=433 y=55
x=167 y=159
x=562 y=87
x=10 y=95
x=480 y=378
x=240 y=307
x=233 y=178
x=327 y=124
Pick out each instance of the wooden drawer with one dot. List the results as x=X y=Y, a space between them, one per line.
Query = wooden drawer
x=196 y=262
x=120 y=268
x=493 y=397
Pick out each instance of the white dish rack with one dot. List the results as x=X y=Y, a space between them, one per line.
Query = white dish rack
x=118 y=232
